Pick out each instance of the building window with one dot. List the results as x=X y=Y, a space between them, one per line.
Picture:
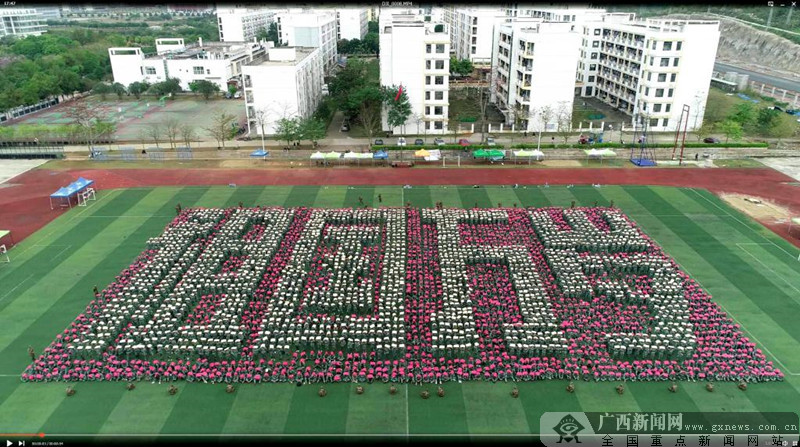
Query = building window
x=665 y=62
x=675 y=63
x=654 y=45
x=439 y=80
x=644 y=106
x=647 y=91
x=669 y=106
x=595 y=44
x=649 y=75
x=594 y=55
x=670 y=93
x=651 y=60
x=428 y=95
x=440 y=65
x=428 y=48
x=150 y=70
x=427 y=65
x=672 y=78
x=438 y=95
x=427 y=110
x=440 y=48
x=678 y=46
x=597 y=32
x=592 y=67
x=438 y=125
x=667 y=46
x=438 y=110
x=591 y=78
x=427 y=80
x=654 y=122
x=588 y=91
x=656 y=107
x=666 y=122
x=199 y=70
x=659 y=93
x=662 y=77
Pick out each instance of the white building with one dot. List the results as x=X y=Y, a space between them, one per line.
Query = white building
x=21 y=22
x=472 y=31
x=314 y=29
x=351 y=23
x=416 y=55
x=49 y=12
x=534 y=66
x=285 y=83
x=238 y=24
x=649 y=68
x=217 y=62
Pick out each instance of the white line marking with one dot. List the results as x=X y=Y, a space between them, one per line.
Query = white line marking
x=407 y=421
x=737 y=220
x=15 y=288
x=62 y=251
x=797 y=300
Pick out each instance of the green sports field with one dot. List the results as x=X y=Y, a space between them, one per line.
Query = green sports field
x=753 y=274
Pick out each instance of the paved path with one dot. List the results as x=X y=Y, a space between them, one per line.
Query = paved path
x=12 y=168
x=783 y=83
x=788 y=166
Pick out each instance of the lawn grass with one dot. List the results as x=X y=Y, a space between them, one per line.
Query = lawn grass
x=749 y=271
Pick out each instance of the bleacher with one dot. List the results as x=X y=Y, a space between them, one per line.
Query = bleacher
x=27 y=150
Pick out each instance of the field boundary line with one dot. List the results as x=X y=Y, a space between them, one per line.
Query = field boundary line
x=773 y=272
x=737 y=220
x=733 y=317
x=15 y=288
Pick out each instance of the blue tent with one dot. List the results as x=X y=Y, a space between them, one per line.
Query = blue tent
x=380 y=155
x=62 y=193
x=81 y=183
x=259 y=153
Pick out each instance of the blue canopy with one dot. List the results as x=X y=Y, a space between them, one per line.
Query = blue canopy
x=259 y=153
x=81 y=183
x=380 y=155
x=62 y=193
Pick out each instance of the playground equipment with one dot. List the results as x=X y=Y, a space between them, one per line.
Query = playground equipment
x=684 y=122
x=643 y=155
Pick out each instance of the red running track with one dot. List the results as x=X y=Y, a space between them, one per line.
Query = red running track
x=24 y=206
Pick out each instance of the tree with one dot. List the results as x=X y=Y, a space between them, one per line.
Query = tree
x=188 y=134
x=311 y=129
x=119 y=90
x=564 y=121
x=518 y=117
x=137 y=88
x=482 y=97
x=398 y=110
x=732 y=130
x=783 y=127
x=703 y=131
x=766 y=119
x=369 y=109
x=744 y=114
x=221 y=127
x=545 y=116
x=203 y=87
x=262 y=119
x=171 y=130
x=461 y=67
x=85 y=118
x=102 y=89
x=372 y=27
x=166 y=88
x=154 y=132
x=287 y=129
x=371 y=44
x=270 y=34
x=232 y=89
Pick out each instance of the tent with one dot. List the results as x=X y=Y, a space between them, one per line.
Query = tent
x=259 y=153
x=380 y=155
x=332 y=155
x=422 y=153
x=491 y=154
x=537 y=154
x=480 y=153
x=317 y=156
x=435 y=155
x=351 y=155
x=599 y=153
x=62 y=193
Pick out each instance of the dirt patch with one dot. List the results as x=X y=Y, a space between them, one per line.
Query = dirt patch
x=562 y=163
x=759 y=208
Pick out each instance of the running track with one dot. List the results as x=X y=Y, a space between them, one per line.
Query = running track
x=24 y=203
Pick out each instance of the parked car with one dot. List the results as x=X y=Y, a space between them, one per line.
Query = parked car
x=419 y=142
x=379 y=142
x=228 y=95
x=463 y=142
x=490 y=141
x=237 y=95
x=401 y=141
x=710 y=140
x=345 y=126
x=438 y=141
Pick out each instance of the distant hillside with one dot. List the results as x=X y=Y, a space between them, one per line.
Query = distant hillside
x=744 y=45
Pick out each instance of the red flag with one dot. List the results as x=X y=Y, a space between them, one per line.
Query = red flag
x=399 y=92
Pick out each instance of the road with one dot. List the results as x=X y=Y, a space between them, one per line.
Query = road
x=760 y=77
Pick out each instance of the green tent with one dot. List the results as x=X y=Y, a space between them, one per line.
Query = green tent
x=480 y=153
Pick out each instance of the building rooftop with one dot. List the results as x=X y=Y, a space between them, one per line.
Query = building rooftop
x=282 y=56
x=209 y=50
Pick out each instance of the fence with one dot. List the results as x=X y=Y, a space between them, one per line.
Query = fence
x=790 y=96
x=28 y=151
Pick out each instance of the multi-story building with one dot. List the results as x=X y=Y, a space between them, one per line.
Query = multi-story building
x=217 y=62
x=650 y=68
x=416 y=55
x=351 y=23
x=472 y=31
x=237 y=24
x=316 y=29
x=284 y=83
x=533 y=71
x=49 y=12
x=21 y=22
